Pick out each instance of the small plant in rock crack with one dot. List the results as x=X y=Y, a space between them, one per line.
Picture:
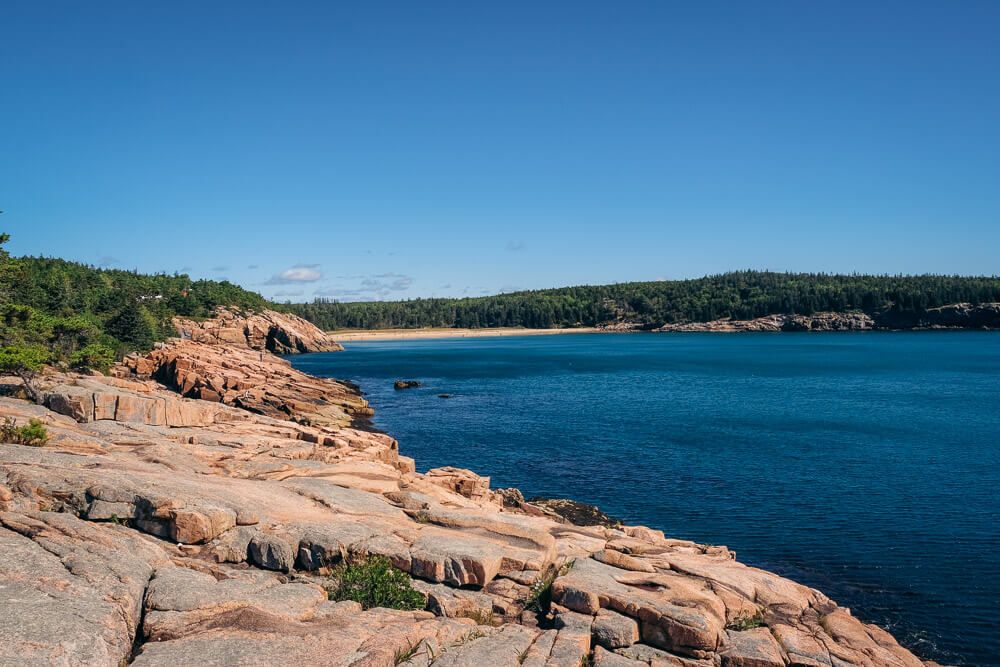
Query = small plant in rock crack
x=746 y=621
x=540 y=593
x=405 y=654
x=373 y=582
x=32 y=434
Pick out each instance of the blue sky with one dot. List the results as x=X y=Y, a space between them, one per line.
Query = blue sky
x=402 y=149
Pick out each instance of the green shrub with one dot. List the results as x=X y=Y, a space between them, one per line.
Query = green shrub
x=96 y=356
x=32 y=434
x=374 y=582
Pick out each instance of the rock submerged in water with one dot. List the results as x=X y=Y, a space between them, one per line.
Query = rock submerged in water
x=405 y=384
x=155 y=529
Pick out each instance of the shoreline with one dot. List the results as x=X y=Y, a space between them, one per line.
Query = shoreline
x=299 y=489
x=354 y=335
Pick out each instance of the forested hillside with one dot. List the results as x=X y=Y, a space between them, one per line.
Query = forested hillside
x=54 y=311
x=741 y=295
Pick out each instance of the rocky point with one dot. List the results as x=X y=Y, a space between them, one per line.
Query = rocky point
x=186 y=508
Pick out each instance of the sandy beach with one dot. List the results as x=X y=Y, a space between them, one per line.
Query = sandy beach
x=348 y=335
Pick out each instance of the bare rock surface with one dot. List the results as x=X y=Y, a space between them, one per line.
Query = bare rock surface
x=281 y=333
x=247 y=379
x=159 y=529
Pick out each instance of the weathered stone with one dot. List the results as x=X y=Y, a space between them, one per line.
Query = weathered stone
x=802 y=649
x=604 y=658
x=271 y=552
x=695 y=626
x=613 y=630
x=233 y=546
x=459 y=561
x=71 y=402
x=451 y=602
x=572 y=642
x=202 y=525
x=623 y=561
x=504 y=648
x=463 y=482
x=71 y=591
x=752 y=648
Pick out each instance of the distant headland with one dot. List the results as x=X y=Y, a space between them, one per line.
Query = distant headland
x=739 y=301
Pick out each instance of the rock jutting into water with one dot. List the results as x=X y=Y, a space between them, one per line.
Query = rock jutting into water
x=186 y=511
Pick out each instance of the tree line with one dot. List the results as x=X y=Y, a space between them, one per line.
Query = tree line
x=738 y=295
x=75 y=315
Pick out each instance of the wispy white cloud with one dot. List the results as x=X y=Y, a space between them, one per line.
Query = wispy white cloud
x=300 y=273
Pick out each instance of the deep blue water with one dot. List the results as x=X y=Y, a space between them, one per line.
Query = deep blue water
x=864 y=464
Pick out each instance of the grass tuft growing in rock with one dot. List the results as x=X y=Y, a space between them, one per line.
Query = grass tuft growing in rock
x=33 y=434
x=373 y=582
x=746 y=621
x=540 y=594
x=404 y=655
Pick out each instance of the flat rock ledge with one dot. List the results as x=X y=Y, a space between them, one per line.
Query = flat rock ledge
x=158 y=529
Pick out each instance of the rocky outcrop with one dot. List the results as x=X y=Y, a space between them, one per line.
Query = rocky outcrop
x=259 y=382
x=166 y=530
x=849 y=321
x=230 y=360
x=954 y=316
x=281 y=333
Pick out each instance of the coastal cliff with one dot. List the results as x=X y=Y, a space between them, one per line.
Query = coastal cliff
x=187 y=509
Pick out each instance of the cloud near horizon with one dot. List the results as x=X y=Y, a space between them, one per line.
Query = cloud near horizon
x=300 y=273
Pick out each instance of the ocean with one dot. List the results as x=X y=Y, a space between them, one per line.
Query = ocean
x=866 y=465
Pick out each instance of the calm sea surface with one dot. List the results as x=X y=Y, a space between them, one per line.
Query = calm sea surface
x=864 y=464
